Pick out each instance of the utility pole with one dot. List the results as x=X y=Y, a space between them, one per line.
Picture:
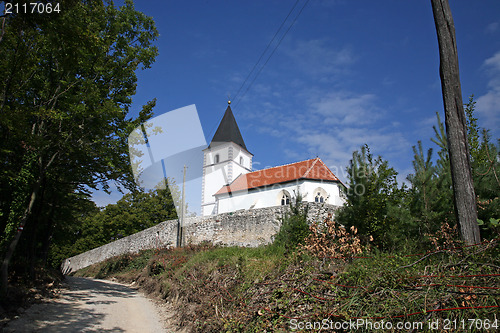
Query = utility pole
x=180 y=231
x=456 y=131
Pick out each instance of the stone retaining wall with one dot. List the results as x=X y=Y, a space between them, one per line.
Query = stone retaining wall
x=241 y=228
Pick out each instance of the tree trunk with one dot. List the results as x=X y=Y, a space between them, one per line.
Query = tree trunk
x=4 y=270
x=461 y=174
x=47 y=238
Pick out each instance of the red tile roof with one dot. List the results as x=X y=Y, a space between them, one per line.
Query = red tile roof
x=310 y=169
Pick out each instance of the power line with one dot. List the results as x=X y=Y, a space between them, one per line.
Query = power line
x=262 y=55
x=267 y=48
x=274 y=50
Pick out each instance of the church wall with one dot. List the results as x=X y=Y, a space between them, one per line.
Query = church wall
x=258 y=198
x=241 y=228
x=271 y=195
x=331 y=188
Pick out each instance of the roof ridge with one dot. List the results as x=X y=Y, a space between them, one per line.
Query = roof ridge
x=279 y=166
x=281 y=174
x=327 y=168
x=310 y=168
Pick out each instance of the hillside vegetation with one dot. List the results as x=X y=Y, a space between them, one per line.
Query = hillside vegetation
x=320 y=282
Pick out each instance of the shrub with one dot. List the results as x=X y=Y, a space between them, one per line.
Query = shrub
x=294 y=228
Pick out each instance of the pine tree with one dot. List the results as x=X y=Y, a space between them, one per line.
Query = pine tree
x=423 y=186
x=372 y=193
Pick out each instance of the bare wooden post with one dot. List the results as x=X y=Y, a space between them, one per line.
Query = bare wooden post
x=456 y=132
x=180 y=231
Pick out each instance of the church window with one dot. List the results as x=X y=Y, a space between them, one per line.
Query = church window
x=320 y=195
x=241 y=160
x=216 y=159
x=319 y=198
x=285 y=199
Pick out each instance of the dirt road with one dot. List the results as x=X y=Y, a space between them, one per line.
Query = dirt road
x=92 y=306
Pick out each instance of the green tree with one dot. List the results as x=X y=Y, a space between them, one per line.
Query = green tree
x=431 y=193
x=373 y=197
x=476 y=149
x=423 y=186
x=134 y=212
x=294 y=227
x=485 y=171
x=66 y=91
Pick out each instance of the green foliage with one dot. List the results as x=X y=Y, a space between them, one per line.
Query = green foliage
x=21 y=185
x=487 y=185
x=477 y=147
x=485 y=165
x=67 y=86
x=444 y=186
x=132 y=213
x=431 y=194
x=374 y=201
x=233 y=289
x=294 y=228
x=422 y=184
x=430 y=197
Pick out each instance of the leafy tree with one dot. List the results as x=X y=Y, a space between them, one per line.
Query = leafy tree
x=67 y=87
x=373 y=198
x=132 y=213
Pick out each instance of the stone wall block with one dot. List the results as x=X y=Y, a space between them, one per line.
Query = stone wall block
x=242 y=228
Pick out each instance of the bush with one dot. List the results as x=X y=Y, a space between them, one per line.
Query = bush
x=294 y=228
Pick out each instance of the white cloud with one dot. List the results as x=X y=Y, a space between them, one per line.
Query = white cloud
x=341 y=123
x=488 y=105
x=346 y=108
x=335 y=147
x=494 y=61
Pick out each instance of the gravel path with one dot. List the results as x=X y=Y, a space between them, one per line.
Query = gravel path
x=91 y=305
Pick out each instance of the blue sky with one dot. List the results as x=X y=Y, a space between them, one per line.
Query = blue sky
x=347 y=73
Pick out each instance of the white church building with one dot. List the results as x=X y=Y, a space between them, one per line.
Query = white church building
x=229 y=184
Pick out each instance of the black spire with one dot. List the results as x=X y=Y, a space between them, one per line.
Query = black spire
x=228 y=130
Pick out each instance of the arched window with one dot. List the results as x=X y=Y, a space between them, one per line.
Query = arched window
x=241 y=160
x=320 y=195
x=283 y=198
x=216 y=159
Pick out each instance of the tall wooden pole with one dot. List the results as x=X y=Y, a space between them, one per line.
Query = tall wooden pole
x=456 y=132
x=183 y=209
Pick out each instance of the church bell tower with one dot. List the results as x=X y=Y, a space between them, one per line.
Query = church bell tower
x=225 y=158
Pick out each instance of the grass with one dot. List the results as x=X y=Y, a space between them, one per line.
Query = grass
x=232 y=289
